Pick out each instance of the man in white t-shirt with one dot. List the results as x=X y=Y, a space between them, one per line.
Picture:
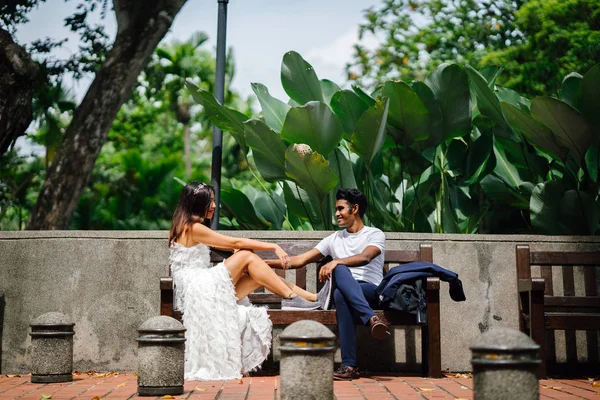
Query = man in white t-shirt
x=354 y=273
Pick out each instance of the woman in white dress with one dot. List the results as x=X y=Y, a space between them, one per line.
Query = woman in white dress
x=226 y=336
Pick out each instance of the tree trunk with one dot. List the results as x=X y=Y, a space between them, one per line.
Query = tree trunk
x=141 y=26
x=17 y=85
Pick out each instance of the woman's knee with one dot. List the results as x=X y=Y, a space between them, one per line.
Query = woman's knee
x=245 y=254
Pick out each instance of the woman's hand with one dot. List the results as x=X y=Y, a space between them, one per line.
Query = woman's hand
x=284 y=258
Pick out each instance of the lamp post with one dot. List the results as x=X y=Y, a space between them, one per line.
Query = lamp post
x=217 y=151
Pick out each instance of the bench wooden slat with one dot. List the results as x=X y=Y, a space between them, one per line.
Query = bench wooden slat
x=572 y=302
x=572 y=321
x=565 y=258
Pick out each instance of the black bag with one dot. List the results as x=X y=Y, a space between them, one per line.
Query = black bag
x=410 y=297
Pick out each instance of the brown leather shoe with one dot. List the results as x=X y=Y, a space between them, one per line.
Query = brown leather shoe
x=346 y=373
x=379 y=330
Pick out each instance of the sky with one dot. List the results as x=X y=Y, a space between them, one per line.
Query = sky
x=259 y=31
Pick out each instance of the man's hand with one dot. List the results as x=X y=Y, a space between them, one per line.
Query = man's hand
x=327 y=270
x=284 y=258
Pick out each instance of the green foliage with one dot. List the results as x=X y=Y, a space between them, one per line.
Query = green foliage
x=456 y=153
x=561 y=36
x=417 y=36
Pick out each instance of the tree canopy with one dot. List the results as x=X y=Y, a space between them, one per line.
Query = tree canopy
x=418 y=35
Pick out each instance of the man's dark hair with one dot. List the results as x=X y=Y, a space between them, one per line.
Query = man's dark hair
x=353 y=196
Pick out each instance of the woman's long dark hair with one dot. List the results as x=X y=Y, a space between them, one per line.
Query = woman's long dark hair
x=193 y=206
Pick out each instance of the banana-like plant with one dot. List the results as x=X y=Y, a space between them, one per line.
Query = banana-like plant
x=455 y=153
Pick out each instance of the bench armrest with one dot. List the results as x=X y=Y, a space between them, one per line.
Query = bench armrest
x=166 y=296
x=531 y=285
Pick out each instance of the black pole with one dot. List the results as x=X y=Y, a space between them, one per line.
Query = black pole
x=217 y=152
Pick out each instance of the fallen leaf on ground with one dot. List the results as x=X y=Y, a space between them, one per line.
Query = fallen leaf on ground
x=464 y=387
x=168 y=396
x=122 y=384
x=241 y=381
x=96 y=398
x=13 y=376
x=201 y=389
x=426 y=390
x=467 y=375
x=46 y=396
x=596 y=383
x=460 y=398
x=552 y=387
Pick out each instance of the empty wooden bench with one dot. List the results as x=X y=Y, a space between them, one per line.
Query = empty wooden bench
x=430 y=333
x=542 y=311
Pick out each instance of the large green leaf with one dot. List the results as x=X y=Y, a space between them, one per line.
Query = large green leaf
x=274 y=110
x=514 y=98
x=302 y=205
x=505 y=167
x=535 y=132
x=343 y=168
x=450 y=85
x=224 y=118
x=407 y=112
x=268 y=150
x=270 y=208
x=592 y=162
x=545 y=208
x=363 y=95
x=490 y=74
x=328 y=88
x=500 y=192
x=310 y=171
x=369 y=132
x=436 y=119
x=419 y=195
x=315 y=125
x=589 y=98
x=237 y=205
x=349 y=107
x=569 y=93
x=579 y=212
x=569 y=126
x=480 y=159
x=487 y=102
x=299 y=79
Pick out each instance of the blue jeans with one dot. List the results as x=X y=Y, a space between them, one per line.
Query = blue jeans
x=354 y=303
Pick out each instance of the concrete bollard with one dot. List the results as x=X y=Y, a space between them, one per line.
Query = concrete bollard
x=51 y=348
x=505 y=365
x=161 y=347
x=306 y=368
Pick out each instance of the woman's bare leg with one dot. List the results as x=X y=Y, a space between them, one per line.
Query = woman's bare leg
x=246 y=285
x=306 y=295
x=246 y=261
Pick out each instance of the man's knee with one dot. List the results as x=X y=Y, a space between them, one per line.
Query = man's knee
x=341 y=269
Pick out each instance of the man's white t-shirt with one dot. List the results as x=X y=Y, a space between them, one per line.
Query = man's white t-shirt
x=342 y=244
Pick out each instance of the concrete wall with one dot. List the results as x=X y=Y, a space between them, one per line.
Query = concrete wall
x=108 y=283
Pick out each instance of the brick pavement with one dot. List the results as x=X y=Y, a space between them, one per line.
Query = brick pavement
x=120 y=386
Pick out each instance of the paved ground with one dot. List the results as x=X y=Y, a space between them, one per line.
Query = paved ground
x=96 y=386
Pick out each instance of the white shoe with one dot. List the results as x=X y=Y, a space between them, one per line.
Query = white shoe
x=324 y=295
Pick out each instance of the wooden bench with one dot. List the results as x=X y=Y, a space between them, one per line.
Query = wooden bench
x=430 y=333
x=541 y=311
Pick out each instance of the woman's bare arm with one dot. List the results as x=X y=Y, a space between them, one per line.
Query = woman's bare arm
x=300 y=260
x=205 y=235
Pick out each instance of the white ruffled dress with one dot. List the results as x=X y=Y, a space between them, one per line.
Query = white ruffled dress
x=224 y=338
